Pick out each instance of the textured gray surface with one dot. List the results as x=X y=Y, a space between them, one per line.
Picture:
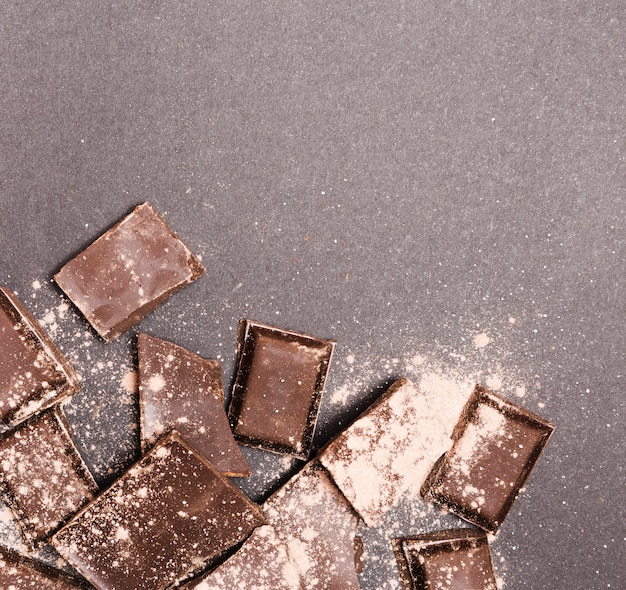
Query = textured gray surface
x=399 y=176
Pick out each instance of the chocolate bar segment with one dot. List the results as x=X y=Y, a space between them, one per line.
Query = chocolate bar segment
x=389 y=449
x=261 y=563
x=318 y=527
x=180 y=390
x=44 y=476
x=127 y=272
x=33 y=373
x=278 y=388
x=458 y=558
x=496 y=445
x=158 y=523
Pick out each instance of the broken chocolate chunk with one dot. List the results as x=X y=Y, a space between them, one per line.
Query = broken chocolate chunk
x=496 y=445
x=158 y=523
x=44 y=476
x=278 y=388
x=33 y=373
x=458 y=558
x=127 y=272
x=182 y=391
x=318 y=526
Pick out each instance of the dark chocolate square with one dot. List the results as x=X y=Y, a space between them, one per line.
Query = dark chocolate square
x=496 y=444
x=128 y=271
x=33 y=373
x=45 y=477
x=178 y=390
x=454 y=559
x=278 y=388
x=158 y=523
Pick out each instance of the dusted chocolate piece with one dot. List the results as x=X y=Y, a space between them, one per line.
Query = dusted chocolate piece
x=45 y=477
x=127 y=272
x=455 y=559
x=389 y=449
x=496 y=444
x=318 y=526
x=33 y=373
x=278 y=388
x=180 y=390
x=159 y=522
x=261 y=563
x=20 y=573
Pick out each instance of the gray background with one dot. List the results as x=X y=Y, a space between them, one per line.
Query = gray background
x=399 y=176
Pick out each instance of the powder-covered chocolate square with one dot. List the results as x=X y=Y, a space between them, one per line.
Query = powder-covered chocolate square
x=45 y=477
x=33 y=372
x=162 y=520
x=128 y=271
x=182 y=391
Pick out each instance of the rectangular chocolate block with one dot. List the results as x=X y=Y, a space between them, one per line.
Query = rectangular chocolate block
x=496 y=445
x=158 y=523
x=389 y=449
x=182 y=391
x=458 y=558
x=127 y=272
x=33 y=373
x=278 y=388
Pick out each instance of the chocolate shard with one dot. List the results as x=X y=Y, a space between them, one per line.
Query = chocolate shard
x=128 y=271
x=44 y=476
x=457 y=558
x=278 y=388
x=179 y=390
x=496 y=445
x=261 y=563
x=159 y=522
x=34 y=374
x=21 y=573
x=388 y=450
x=318 y=527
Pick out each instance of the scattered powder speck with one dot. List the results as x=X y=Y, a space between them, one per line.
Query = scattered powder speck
x=481 y=340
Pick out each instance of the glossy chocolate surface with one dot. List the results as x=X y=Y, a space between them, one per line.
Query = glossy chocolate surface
x=182 y=391
x=457 y=559
x=166 y=516
x=45 y=477
x=496 y=444
x=318 y=526
x=278 y=388
x=127 y=272
x=33 y=372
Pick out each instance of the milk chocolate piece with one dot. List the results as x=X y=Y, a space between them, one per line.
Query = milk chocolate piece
x=261 y=563
x=20 y=573
x=458 y=558
x=389 y=449
x=278 y=388
x=496 y=444
x=180 y=390
x=159 y=522
x=127 y=272
x=318 y=526
x=45 y=477
x=33 y=373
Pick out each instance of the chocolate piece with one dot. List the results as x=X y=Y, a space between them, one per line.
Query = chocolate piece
x=388 y=450
x=159 y=522
x=261 y=563
x=458 y=558
x=278 y=388
x=46 y=479
x=496 y=444
x=33 y=373
x=318 y=526
x=127 y=272
x=20 y=573
x=179 y=390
